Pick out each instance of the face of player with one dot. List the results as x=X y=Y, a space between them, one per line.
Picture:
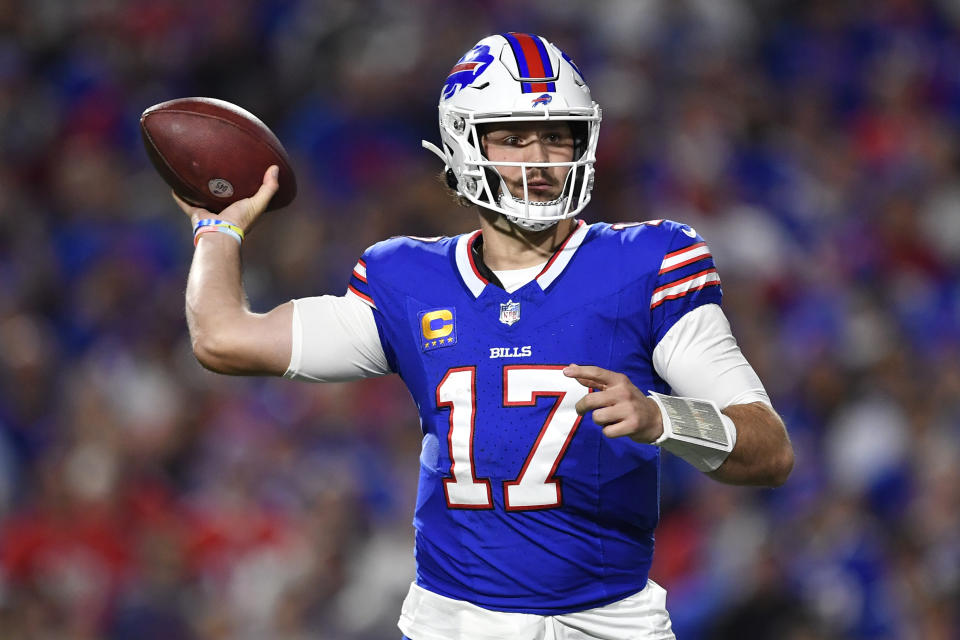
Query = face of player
x=531 y=142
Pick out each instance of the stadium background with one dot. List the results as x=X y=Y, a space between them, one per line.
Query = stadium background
x=814 y=144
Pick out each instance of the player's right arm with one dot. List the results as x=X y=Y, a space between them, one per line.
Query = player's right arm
x=226 y=336
x=325 y=338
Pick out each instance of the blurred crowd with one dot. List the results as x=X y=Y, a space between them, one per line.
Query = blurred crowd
x=814 y=144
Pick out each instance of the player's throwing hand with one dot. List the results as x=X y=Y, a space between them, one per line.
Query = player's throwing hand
x=243 y=213
x=617 y=405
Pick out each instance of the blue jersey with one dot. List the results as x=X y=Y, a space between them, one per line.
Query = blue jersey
x=522 y=504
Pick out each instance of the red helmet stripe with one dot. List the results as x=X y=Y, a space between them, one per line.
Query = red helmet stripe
x=531 y=53
x=464 y=66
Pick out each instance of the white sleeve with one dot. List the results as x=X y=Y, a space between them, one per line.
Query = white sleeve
x=335 y=339
x=699 y=358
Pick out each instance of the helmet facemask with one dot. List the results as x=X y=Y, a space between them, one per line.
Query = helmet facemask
x=537 y=215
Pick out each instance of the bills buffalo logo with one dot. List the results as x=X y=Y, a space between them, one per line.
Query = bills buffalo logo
x=467 y=69
x=545 y=99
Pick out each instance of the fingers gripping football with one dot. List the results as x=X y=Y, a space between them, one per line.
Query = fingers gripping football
x=617 y=404
x=243 y=213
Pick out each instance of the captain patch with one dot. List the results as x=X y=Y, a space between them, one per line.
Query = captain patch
x=438 y=328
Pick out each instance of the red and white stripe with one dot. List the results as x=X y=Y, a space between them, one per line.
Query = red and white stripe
x=360 y=271
x=356 y=293
x=682 y=287
x=463 y=66
x=684 y=256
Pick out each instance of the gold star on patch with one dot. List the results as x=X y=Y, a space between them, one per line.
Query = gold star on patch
x=449 y=340
x=434 y=343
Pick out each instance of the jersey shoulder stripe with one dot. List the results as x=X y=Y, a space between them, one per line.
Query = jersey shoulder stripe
x=360 y=271
x=358 y=286
x=683 y=277
x=356 y=293
x=685 y=256
x=683 y=286
x=687 y=265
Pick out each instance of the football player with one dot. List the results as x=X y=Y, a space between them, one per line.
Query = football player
x=551 y=362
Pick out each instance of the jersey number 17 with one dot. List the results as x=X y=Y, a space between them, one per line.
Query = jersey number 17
x=535 y=487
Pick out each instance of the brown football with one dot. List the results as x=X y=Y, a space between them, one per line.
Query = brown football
x=213 y=153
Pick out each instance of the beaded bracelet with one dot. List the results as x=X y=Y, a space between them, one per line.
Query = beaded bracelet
x=212 y=224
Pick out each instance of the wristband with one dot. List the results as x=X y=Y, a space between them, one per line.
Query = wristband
x=222 y=226
x=695 y=430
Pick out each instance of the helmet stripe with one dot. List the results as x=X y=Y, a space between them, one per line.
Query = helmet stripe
x=532 y=61
x=518 y=54
x=544 y=58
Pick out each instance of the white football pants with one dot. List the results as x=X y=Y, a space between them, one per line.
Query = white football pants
x=429 y=616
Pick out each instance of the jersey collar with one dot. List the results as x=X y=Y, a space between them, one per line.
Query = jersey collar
x=476 y=275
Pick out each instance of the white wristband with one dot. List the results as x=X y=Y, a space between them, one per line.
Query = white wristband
x=695 y=430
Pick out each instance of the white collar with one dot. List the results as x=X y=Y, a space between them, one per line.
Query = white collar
x=475 y=281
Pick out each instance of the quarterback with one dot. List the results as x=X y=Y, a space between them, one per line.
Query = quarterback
x=551 y=362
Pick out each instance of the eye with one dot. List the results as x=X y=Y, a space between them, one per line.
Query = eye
x=557 y=138
x=511 y=140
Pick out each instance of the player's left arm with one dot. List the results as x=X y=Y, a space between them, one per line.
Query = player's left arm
x=761 y=456
x=699 y=358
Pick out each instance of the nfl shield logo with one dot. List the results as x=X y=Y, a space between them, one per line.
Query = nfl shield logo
x=509 y=312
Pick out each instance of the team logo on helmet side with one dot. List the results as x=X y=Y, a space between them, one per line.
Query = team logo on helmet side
x=467 y=69
x=545 y=99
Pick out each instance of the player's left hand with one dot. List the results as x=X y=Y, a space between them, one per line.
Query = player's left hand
x=617 y=404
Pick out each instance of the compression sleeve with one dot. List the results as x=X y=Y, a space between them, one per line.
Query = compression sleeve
x=335 y=339
x=699 y=358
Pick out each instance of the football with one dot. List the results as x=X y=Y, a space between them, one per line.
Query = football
x=213 y=153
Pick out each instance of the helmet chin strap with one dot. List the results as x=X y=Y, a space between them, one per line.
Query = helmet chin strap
x=551 y=208
x=528 y=225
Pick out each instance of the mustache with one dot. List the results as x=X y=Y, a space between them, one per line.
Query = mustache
x=539 y=175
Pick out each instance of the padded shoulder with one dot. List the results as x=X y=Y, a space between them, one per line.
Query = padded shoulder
x=407 y=246
x=643 y=245
x=404 y=262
